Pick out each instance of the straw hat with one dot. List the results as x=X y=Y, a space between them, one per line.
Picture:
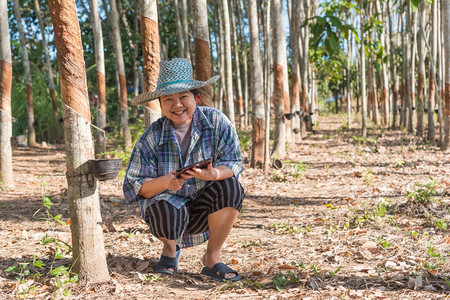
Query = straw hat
x=175 y=76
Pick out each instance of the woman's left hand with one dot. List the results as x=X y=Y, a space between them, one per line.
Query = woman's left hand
x=208 y=174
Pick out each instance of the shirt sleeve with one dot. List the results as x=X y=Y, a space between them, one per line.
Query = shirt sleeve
x=228 y=148
x=141 y=166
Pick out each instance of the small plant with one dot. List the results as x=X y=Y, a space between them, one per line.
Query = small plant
x=439 y=224
x=332 y=273
x=287 y=228
x=383 y=242
x=281 y=280
x=368 y=177
x=399 y=162
x=423 y=193
x=251 y=244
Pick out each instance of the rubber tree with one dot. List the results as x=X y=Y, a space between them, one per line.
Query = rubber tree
x=120 y=65
x=86 y=223
x=228 y=63
x=6 y=168
x=51 y=83
x=445 y=6
x=421 y=69
x=237 y=64
x=100 y=144
x=363 y=74
x=27 y=77
x=281 y=88
x=295 y=70
x=201 y=44
x=256 y=89
x=151 y=55
x=432 y=74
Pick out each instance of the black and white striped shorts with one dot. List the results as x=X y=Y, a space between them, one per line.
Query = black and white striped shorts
x=165 y=220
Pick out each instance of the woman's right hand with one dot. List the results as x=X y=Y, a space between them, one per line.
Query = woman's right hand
x=174 y=183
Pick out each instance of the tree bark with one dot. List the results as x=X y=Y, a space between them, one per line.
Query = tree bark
x=6 y=168
x=431 y=81
x=363 y=74
x=240 y=100
x=421 y=70
x=256 y=89
x=393 y=68
x=151 y=56
x=201 y=44
x=244 y=61
x=295 y=71
x=87 y=235
x=187 y=39
x=123 y=94
x=228 y=63
x=51 y=84
x=27 y=77
x=281 y=89
x=100 y=144
x=445 y=7
x=181 y=52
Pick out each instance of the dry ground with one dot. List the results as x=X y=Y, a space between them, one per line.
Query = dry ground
x=334 y=222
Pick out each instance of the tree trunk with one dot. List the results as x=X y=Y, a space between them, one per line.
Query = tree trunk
x=363 y=74
x=295 y=71
x=51 y=84
x=393 y=69
x=27 y=77
x=87 y=235
x=228 y=63
x=304 y=58
x=100 y=144
x=244 y=61
x=407 y=55
x=432 y=70
x=421 y=70
x=123 y=95
x=280 y=92
x=445 y=7
x=256 y=89
x=187 y=39
x=6 y=168
x=201 y=44
x=151 y=56
x=239 y=101
x=268 y=82
x=181 y=51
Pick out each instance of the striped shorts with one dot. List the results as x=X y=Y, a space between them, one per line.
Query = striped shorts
x=168 y=222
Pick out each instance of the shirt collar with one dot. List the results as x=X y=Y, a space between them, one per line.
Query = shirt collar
x=199 y=123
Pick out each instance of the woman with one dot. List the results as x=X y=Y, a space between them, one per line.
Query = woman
x=201 y=204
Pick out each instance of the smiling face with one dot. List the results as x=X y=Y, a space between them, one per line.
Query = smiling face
x=179 y=107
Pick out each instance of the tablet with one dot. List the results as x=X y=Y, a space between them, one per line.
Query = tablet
x=201 y=165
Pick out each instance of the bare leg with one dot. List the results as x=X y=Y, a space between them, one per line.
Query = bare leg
x=220 y=224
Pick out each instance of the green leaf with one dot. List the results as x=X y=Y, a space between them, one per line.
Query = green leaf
x=12 y=269
x=415 y=4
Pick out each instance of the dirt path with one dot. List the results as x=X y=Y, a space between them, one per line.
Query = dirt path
x=334 y=222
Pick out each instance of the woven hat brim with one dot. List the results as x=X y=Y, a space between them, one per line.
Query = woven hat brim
x=172 y=89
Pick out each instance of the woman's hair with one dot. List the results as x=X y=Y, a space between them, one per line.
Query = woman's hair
x=194 y=92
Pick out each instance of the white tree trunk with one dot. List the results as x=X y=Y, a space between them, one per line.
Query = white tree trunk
x=281 y=87
x=6 y=168
x=363 y=74
x=228 y=63
x=256 y=88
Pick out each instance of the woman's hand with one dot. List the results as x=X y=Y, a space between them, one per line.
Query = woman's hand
x=208 y=174
x=174 y=183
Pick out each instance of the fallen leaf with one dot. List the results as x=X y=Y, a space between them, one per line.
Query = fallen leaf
x=287 y=267
x=234 y=261
x=447 y=240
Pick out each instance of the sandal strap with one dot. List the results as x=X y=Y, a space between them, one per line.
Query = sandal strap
x=223 y=269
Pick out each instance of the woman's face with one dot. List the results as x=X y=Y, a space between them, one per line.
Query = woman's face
x=178 y=107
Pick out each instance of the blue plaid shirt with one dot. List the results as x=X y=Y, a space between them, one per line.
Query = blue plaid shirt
x=157 y=152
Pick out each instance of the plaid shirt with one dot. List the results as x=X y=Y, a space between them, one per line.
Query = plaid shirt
x=157 y=152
